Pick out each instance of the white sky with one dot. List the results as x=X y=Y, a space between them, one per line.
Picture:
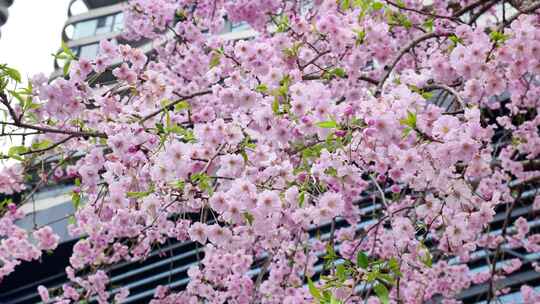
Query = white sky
x=32 y=33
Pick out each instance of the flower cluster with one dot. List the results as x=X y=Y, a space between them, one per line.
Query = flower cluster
x=15 y=244
x=372 y=142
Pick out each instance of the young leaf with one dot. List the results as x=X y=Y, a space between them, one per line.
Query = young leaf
x=362 y=260
x=76 y=200
x=339 y=72
x=394 y=266
x=360 y=37
x=215 y=59
x=301 y=198
x=327 y=124
x=313 y=290
x=382 y=293
x=249 y=218
x=16 y=151
x=428 y=25
x=341 y=272
x=275 y=106
x=410 y=120
x=262 y=88
x=12 y=73
x=377 y=6
x=183 y=105
x=65 y=70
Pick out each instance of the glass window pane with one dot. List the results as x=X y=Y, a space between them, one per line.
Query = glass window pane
x=85 y=29
x=241 y=26
x=89 y=51
x=75 y=50
x=104 y=24
x=118 y=22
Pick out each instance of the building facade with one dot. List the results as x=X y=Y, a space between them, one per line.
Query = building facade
x=168 y=265
x=4 y=14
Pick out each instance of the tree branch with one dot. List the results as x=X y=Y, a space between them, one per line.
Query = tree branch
x=451 y=18
x=402 y=52
x=447 y=89
x=18 y=123
x=530 y=9
x=172 y=104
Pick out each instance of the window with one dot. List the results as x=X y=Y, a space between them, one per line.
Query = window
x=85 y=29
x=89 y=51
x=118 y=22
x=104 y=25
x=239 y=27
x=99 y=26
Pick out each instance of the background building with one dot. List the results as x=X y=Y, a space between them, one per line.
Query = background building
x=4 y=4
x=88 y=22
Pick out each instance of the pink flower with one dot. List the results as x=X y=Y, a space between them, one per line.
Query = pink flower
x=219 y=235
x=268 y=201
x=43 y=293
x=46 y=238
x=198 y=232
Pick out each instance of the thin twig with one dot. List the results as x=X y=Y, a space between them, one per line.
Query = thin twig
x=402 y=52
x=172 y=104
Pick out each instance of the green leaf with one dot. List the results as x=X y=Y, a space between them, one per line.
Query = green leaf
x=313 y=290
x=335 y=72
x=215 y=59
x=385 y=278
x=403 y=20
x=497 y=36
x=345 y=5
x=283 y=24
x=275 y=106
x=12 y=73
x=426 y=259
x=140 y=194
x=262 y=88
x=428 y=25
x=377 y=5
x=362 y=260
x=182 y=105
x=44 y=144
x=455 y=39
x=17 y=96
x=394 y=266
x=16 y=151
x=427 y=95
x=179 y=185
x=203 y=181
x=76 y=200
x=341 y=272
x=382 y=293
x=327 y=124
x=65 y=70
x=67 y=50
x=410 y=120
x=132 y=194
x=335 y=301
x=331 y=171
x=339 y=72
x=301 y=198
x=360 y=36
x=371 y=276
x=5 y=202
x=249 y=218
